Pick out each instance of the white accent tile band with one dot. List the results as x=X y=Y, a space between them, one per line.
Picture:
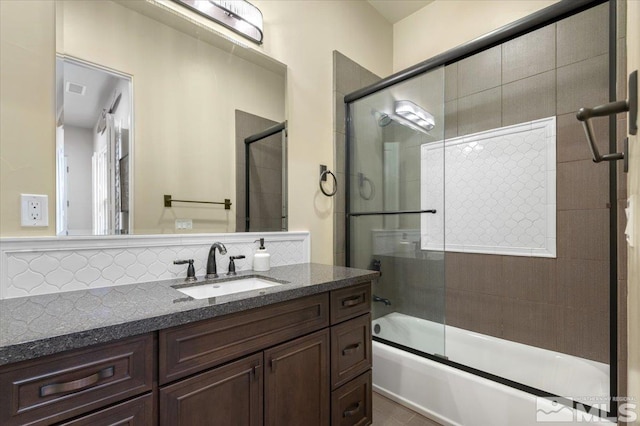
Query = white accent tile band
x=32 y=266
x=496 y=189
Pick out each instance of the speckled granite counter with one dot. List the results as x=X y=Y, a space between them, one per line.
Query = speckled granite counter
x=34 y=326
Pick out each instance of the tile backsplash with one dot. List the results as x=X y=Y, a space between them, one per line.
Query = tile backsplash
x=32 y=266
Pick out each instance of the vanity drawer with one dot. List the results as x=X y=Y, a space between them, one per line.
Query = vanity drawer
x=350 y=302
x=350 y=349
x=60 y=386
x=136 y=412
x=351 y=404
x=190 y=348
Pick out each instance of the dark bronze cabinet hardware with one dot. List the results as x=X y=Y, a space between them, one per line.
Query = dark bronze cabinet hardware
x=76 y=385
x=351 y=349
x=351 y=410
x=352 y=301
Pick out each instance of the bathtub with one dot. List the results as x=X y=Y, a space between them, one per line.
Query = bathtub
x=454 y=397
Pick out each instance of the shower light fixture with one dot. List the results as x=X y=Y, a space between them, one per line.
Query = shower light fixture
x=414 y=116
x=239 y=16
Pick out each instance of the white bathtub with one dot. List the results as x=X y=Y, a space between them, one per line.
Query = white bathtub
x=454 y=397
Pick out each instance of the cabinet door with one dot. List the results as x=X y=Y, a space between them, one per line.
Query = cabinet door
x=297 y=382
x=230 y=395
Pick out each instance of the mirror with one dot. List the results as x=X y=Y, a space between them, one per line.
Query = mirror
x=192 y=95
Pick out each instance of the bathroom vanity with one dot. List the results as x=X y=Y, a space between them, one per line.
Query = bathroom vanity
x=294 y=354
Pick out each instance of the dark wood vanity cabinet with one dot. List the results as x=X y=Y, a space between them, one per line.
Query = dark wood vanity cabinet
x=302 y=362
x=58 y=387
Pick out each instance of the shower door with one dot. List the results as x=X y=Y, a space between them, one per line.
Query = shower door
x=388 y=212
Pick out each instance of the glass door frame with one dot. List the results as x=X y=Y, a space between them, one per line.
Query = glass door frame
x=546 y=16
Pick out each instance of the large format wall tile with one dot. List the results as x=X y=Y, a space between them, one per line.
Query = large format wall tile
x=529 y=99
x=531 y=54
x=582 y=185
x=584 y=283
x=583 y=234
x=480 y=111
x=583 y=84
x=530 y=279
x=535 y=324
x=480 y=72
x=481 y=313
x=583 y=36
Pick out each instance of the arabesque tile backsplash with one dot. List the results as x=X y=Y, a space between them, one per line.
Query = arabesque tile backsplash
x=32 y=266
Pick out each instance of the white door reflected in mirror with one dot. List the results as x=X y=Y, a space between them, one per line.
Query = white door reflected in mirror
x=93 y=144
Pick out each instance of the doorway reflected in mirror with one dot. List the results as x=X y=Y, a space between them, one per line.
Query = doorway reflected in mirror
x=93 y=145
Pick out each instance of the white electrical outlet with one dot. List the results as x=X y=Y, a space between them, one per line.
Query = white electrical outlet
x=184 y=224
x=35 y=210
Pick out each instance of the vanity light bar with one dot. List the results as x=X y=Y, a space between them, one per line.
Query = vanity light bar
x=239 y=16
x=414 y=116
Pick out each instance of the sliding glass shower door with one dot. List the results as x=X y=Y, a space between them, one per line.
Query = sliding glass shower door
x=394 y=225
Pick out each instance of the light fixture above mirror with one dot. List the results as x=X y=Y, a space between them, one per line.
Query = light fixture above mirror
x=239 y=16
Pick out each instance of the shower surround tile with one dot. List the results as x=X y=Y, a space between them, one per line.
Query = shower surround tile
x=500 y=191
x=480 y=111
x=540 y=93
x=582 y=185
x=480 y=72
x=583 y=84
x=33 y=266
x=529 y=54
x=583 y=35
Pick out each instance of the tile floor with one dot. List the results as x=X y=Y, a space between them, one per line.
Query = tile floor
x=389 y=413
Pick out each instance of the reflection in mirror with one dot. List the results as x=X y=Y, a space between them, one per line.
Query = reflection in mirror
x=261 y=178
x=92 y=149
x=189 y=81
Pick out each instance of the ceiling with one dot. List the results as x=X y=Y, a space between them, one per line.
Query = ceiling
x=83 y=110
x=396 y=10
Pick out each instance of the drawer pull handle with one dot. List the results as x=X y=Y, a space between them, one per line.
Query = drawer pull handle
x=256 y=371
x=352 y=301
x=75 y=385
x=351 y=349
x=351 y=411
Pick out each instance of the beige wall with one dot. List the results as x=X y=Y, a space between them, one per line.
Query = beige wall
x=633 y=187
x=27 y=111
x=445 y=24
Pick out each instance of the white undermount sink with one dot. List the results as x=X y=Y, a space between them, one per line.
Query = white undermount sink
x=205 y=291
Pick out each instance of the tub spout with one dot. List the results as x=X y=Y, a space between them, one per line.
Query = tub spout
x=387 y=302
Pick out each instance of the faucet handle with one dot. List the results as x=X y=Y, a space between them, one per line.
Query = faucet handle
x=232 y=265
x=191 y=271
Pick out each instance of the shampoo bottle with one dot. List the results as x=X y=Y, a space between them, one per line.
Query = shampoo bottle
x=261 y=259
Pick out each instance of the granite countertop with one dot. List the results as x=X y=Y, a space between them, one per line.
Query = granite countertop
x=34 y=326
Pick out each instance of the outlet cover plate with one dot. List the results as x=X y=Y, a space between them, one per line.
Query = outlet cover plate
x=34 y=210
x=184 y=224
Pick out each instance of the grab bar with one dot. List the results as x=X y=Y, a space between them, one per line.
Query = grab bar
x=168 y=200
x=585 y=114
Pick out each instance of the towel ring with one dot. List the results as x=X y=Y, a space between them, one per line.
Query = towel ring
x=372 y=189
x=323 y=176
